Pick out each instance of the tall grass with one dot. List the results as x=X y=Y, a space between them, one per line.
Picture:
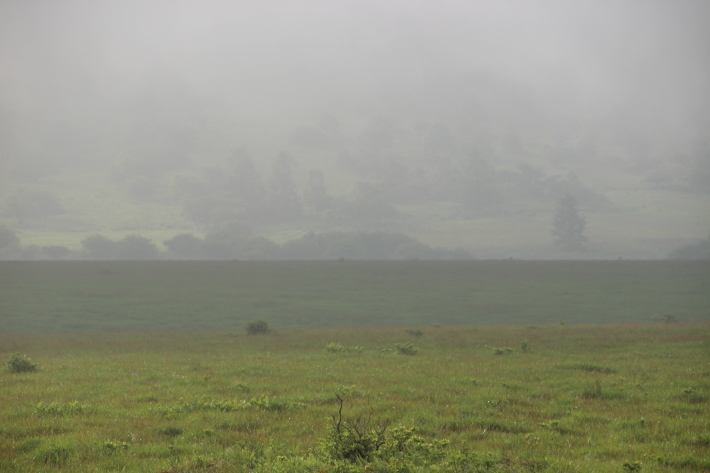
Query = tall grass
x=583 y=398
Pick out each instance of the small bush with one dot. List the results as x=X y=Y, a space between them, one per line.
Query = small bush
x=257 y=327
x=20 y=364
x=406 y=349
x=669 y=318
x=632 y=466
x=415 y=332
x=501 y=350
x=525 y=346
x=171 y=431
x=334 y=347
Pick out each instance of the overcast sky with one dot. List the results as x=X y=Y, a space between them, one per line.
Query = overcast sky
x=647 y=57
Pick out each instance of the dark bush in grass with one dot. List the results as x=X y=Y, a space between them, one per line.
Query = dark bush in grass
x=406 y=349
x=20 y=364
x=257 y=327
x=171 y=431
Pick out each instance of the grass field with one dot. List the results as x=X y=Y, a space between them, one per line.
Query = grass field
x=498 y=366
x=534 y=398
x=47 y=297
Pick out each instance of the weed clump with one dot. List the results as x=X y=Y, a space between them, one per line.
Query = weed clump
x=257 y=327
x=338 y=348
x=111 y=446
x=406 y=349
x=20 y=364
x=57 y=409
x=171 y=431
x=415 y=332
x=632 y=466
x=501 y=350
x=359 y=440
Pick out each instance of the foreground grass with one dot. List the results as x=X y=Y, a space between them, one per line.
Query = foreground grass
x=578 y=398
x=46 y=297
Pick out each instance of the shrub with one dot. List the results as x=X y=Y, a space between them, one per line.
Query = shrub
x=354 y=440
x=171 y=431
x=415 y=332
x=334 y=347
x=669 y=318
x=525 y=346
x=359 y=440
x=20 y=364
x=257 y=327
x=632 y=466
x=406 y=349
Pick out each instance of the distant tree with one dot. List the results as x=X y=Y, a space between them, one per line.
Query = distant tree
x=568 y=224
x=258 y=248
x=367 y=204
x=185 y=245
x=316 y=196
x=257 y=327
x=308 y=137
x=699 y=176
x=379 y=135
x=284 y=203
x=98 y=247
x=245 y=182
x=136 y=247
x=55 y=251
x=699 y=250
x=220 y=246
x=8 y=237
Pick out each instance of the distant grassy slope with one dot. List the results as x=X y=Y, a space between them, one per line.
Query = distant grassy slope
x=41 y=297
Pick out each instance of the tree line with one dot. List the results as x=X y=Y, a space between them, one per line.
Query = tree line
x=223 y=245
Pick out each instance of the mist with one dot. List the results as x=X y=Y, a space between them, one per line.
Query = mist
x=89 y=86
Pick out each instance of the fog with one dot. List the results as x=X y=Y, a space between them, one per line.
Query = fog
x=86 y=85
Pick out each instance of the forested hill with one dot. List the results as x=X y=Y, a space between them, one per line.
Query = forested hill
x=457 y=125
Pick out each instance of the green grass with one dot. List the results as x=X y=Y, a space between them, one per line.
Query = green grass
x=586 y=398
x=46 y=297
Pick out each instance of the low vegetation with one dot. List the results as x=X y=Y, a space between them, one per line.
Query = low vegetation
x=17 y=363
x=607 y=398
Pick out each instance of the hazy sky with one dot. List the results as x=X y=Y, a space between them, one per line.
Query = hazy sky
x=68 y=58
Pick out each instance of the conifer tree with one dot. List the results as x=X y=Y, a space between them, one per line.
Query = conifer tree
x=568 y=224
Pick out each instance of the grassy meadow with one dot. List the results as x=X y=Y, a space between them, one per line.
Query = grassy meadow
x=49 y=297
x=414 y=366
x=525 y=398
